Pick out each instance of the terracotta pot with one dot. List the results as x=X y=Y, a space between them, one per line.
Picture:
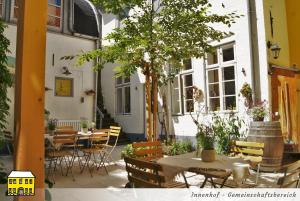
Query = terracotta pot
x=208 y=155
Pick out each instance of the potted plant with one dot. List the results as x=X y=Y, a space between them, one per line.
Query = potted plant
x=52 y=125
x=84 y=126
x=259 y=111
x=205 y=143
x=246 y=92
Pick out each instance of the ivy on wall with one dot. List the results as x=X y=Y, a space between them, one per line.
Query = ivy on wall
x=6 y=80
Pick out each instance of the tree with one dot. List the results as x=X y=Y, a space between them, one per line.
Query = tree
x=5 y=80
x=156 y=33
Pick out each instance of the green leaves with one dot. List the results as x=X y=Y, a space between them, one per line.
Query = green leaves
x=5 y=79
x=167 y=33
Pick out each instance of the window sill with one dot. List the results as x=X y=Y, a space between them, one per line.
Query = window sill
x=123 y=114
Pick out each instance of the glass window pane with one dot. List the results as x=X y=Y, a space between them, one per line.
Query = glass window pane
x=187 y=64
x=54 y=11
x=189 y=105
x=55 y=2
x=228 y=54
x=188 y=93
x=119 y=80
x=126 y=79
x=119 y=100
x=127 y=100
x=230 y=103
x=214 y=104
x=229 y=88
x=53 y=21
x=188 y=80
x=212 y=58
x=213 y=76
x=214 y=90
x=228 y=73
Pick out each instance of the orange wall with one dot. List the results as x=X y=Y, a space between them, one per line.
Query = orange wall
x=293 y=21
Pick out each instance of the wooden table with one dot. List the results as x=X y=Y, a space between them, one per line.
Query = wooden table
x=172 y=165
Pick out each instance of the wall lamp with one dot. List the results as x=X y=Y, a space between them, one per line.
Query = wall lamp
x=66 y=71
x=274 y=48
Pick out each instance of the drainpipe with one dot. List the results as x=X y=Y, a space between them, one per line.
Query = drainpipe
x=205 y=85
x=252 y=32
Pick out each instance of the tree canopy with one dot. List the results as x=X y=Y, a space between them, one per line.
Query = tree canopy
x=158 y=32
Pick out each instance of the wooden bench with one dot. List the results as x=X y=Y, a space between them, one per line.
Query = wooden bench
x=146 y=174
x=291 y=177
x=148 y=150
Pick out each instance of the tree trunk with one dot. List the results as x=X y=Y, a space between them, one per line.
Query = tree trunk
x=155 y=104
x=148 y=105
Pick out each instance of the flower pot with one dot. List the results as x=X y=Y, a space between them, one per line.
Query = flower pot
x=84 y=130
x=208 y=155
x=258 y=119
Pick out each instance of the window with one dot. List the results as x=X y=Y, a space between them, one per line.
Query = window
x=20 y=181
x=182 y=90
x=30 y=190
x=10 y=181
x=15 y=181
x=30 y=181
x=64 y=86
x=26 y=181
x=221 y=78
x=54 y=12
x=123 y=96
x=2 y=8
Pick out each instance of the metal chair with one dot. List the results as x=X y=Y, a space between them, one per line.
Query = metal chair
x=114 y=133
x=63 y=150
x=97 y=151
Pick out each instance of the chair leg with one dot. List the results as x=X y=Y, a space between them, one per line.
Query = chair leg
x=257 y=173
x=204 y=182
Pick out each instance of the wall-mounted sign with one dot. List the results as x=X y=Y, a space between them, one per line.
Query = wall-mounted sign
x=63 y=87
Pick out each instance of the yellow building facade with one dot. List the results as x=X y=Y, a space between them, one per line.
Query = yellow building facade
x=21 y=183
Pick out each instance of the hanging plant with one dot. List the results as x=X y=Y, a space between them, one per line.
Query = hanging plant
x=246 y=92
x=6 y=80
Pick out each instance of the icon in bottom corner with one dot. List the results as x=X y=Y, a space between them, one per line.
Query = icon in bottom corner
x=21 y=183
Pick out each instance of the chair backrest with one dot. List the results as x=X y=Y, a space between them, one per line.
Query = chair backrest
x=250 y=150
x=65 y=132
x=144 y=174
x=62 y=140
x=291 y=177
x=147 y=150
x=114 y=133
x=98 y=139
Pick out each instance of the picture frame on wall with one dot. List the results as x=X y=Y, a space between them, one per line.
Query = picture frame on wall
x=64 y=87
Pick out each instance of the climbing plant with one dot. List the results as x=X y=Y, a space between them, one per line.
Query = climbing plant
x=5 y=80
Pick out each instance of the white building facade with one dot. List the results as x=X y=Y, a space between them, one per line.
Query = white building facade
x=238 y=59
x=65 y=96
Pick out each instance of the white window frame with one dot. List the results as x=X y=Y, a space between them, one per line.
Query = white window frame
x=220 y=65
x=181 y=86
x=123 y=85
x=49 y=26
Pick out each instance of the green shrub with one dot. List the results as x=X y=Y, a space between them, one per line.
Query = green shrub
x=226 y=129
x=181 y=147
x=127 y=151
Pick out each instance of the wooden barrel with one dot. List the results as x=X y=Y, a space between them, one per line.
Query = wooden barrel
x=270 y=134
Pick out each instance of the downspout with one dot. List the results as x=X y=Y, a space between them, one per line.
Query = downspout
x=252 y=33
x=71 y=17
x=205 y=86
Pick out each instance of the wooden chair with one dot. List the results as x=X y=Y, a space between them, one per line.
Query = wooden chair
x=211 y=174
x=63 y=150
x=291 y=177
x=252 y=151
x=146 y=174
x=97 y=151
x=148 y=150
x=114 y=133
